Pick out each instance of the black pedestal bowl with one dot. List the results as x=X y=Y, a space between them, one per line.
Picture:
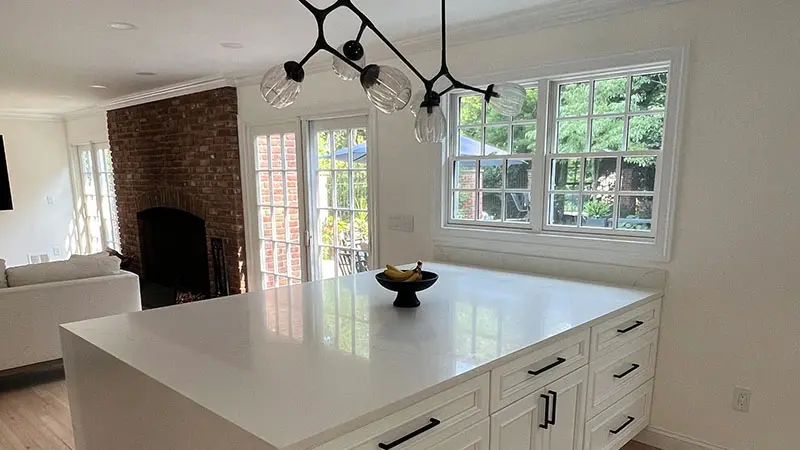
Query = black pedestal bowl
x=407 y=290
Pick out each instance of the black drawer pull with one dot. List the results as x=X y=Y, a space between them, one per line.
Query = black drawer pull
x=555 y=399
x=411 y=435
x=624 y=425
x=632 y=327
x=546 y=410
x=624 y=374
x=544 y=369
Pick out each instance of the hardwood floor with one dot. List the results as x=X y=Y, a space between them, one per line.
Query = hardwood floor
x=34 y=415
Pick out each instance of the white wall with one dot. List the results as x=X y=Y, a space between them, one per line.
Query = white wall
x=731 y=314
x=37 y=163
x=87 y=128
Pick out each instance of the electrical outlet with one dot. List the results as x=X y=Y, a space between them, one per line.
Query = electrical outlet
x=50 y=200
x=741 y=399
x=56 y=251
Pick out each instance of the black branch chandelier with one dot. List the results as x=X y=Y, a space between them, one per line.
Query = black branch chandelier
x=386 y=87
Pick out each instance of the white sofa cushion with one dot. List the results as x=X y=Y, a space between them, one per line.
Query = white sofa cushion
x=76 y=269
x=3 y=281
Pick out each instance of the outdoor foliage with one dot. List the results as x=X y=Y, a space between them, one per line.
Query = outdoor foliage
x=359 y=200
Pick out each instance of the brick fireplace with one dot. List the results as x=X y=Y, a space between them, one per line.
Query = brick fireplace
x=181 y=154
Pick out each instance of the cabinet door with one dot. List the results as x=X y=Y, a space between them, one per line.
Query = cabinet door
x=569 y=411
x=519 y=425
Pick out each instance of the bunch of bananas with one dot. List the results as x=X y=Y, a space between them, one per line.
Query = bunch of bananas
x=393 y=273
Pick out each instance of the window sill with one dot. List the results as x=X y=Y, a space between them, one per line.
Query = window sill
x=599 y=249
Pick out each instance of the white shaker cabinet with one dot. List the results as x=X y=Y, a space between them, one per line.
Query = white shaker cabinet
x=551 y=418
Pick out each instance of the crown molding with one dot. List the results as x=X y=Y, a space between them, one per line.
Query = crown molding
x=152 y=95
x=21 y=115
x=548 y=15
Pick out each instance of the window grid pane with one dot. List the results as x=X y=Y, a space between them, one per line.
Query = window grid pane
x=490 y=171
x=622 y=125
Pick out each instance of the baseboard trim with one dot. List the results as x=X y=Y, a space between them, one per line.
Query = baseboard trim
x=668 y=440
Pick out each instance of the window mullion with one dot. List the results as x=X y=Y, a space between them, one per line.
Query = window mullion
x=541 y=170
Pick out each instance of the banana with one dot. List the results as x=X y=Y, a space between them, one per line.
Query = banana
x=414 y=277
x=398 y=275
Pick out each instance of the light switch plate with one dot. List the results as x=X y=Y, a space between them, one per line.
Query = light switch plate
x=401 y=222
x=50 y=200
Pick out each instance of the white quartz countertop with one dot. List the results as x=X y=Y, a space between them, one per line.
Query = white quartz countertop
x=299 y=365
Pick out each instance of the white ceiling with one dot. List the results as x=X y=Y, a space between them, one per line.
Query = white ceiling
x=51 y=51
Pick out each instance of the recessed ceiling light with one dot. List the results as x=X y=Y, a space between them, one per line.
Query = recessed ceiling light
x=98 y=86
x=65 y=96
x=122 y=26
x=231 y=45
x=145 y=74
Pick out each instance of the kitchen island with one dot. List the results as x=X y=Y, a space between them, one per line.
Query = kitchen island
x=533 y=362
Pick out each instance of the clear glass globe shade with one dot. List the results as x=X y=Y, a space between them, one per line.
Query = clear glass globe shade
x=278 y=89
x=416 y=100
x=386 y=87
x=431 y=126
x=344 y=70
x=509 y=100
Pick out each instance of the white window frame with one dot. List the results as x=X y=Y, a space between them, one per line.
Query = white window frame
x=342 y=120
x=79 y=190
x=250 y=185
x=543 y=240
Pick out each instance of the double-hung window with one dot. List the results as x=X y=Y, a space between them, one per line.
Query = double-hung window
x=587 y=163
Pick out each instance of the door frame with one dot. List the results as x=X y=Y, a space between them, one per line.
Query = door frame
x=250 y=199
x=371 y=117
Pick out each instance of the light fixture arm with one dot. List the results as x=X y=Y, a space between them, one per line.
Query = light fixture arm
x=321 y=14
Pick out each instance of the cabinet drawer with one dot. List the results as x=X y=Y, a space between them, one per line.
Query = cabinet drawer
x=617 y=425
x=616 y=374
x=533 y=371
x=435 y=418
x=621 y=329
x=475 y=437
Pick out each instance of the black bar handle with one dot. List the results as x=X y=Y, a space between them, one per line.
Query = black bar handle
x=546 y=410
x=623 y=426
x=555 y=399
x=632 y=327
x=624 y=374
x=544 y=369
x=412 y=435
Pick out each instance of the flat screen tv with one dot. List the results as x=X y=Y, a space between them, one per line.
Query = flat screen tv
x=5 y=183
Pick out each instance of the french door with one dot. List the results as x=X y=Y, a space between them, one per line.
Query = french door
x=310 y=214
x=342 y=240
x=279 y=197
x=97 y=226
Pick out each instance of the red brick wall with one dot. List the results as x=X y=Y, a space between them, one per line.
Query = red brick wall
x=182 y=153
x=281 y=207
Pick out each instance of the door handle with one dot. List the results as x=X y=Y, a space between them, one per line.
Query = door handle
x=546 y=410
x=555 y=406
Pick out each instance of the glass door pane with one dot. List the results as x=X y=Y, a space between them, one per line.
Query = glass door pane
x=279 y=203
x=341 y=244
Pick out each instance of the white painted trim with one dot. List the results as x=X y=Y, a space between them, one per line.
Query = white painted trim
x=152 y=95
x=549 y=15
x=668 y=440
x=19 y=115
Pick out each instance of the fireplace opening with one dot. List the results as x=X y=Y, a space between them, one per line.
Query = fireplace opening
x=174 y=256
